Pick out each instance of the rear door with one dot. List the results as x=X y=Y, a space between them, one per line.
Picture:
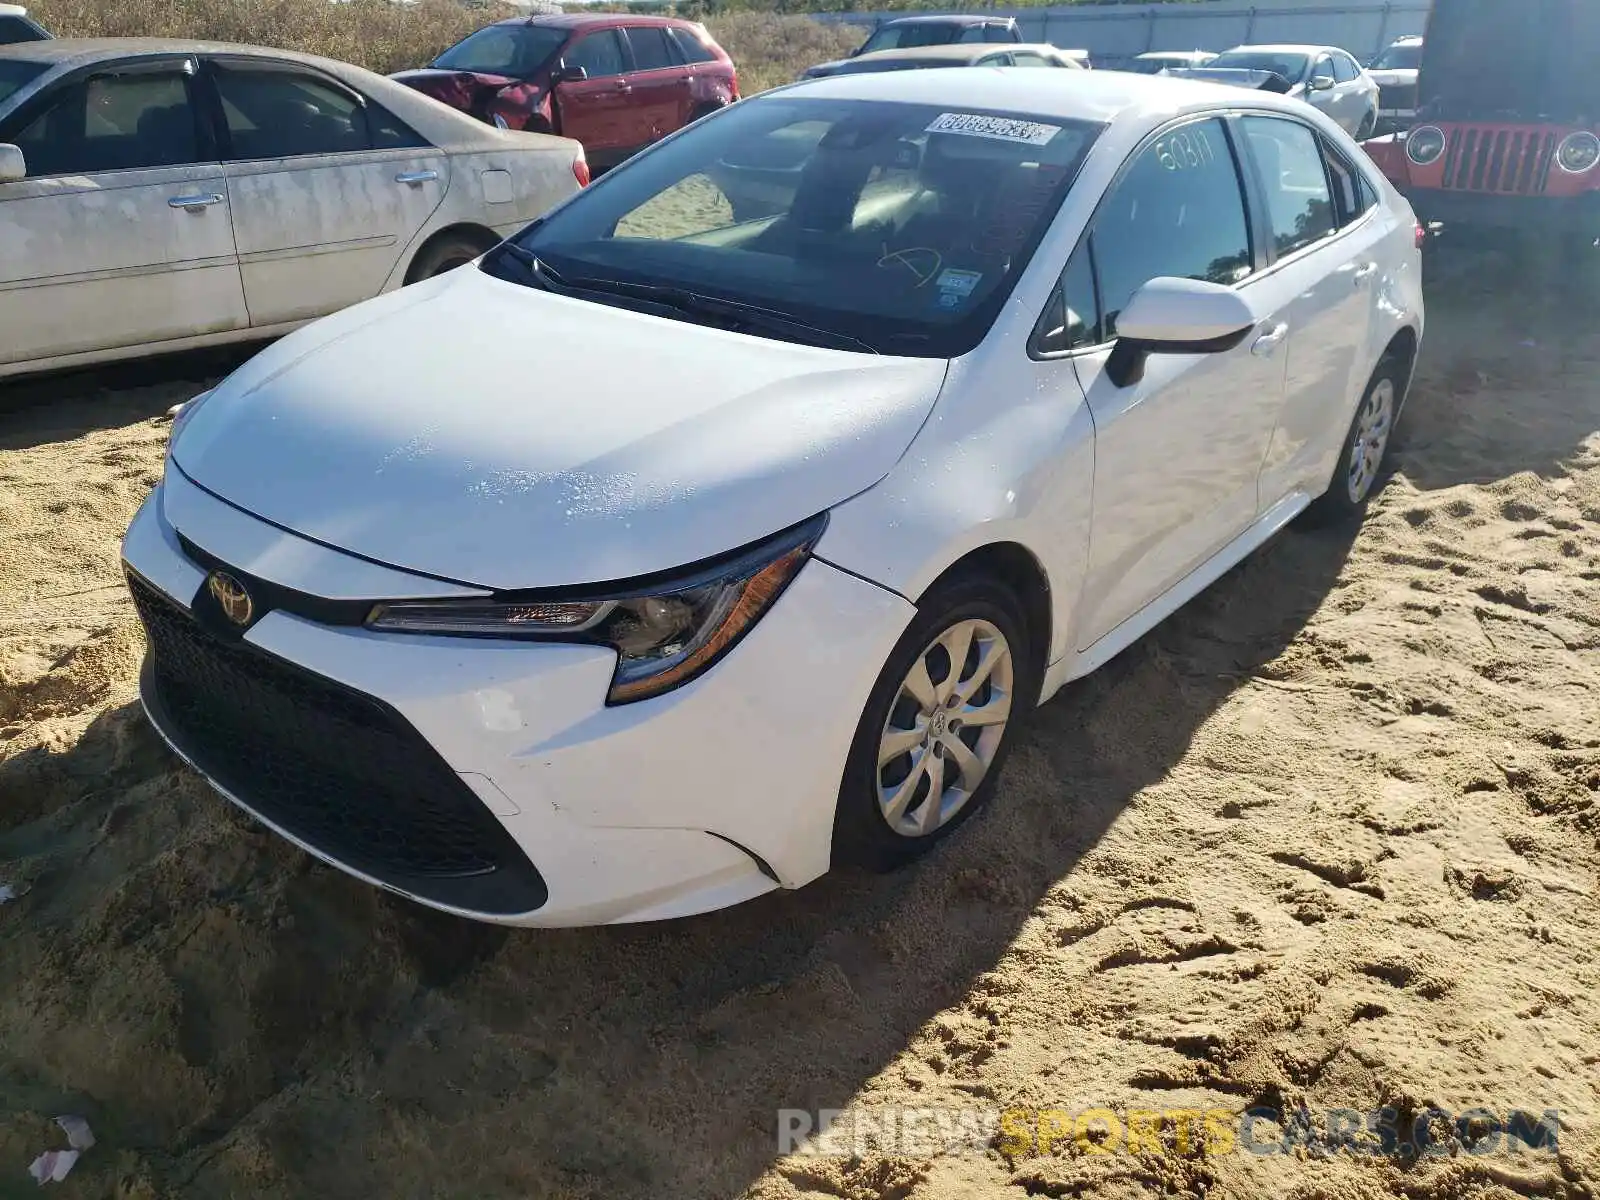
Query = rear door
x=326 y=188
x=1325 y=231
x=119 y=236
x=659 y=79
x=598 y=111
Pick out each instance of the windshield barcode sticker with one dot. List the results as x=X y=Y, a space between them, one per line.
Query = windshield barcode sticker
x=1005 y=129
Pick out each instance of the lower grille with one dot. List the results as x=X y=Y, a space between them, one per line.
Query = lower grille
x=1506 y=161
x=336 y=768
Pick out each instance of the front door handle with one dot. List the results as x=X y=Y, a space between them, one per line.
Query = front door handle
x=195 y=204
x=416 y=178
x=1267 y=343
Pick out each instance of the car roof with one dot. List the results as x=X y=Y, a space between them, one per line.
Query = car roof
x=957 y=53
x=949 y=19
x=1283 y=48
x=12 y=10
x=592 y=20
x=1176 y=53
x=80 y=52
x=1096 y=96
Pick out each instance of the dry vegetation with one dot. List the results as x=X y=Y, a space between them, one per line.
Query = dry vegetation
x=386 y=37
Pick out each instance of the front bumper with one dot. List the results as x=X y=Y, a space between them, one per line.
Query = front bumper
x=1561 y=214
x=709 y=795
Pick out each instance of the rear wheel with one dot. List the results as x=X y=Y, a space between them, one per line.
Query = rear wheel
x=446 y=254
x=1365 y=449
x=938 y=725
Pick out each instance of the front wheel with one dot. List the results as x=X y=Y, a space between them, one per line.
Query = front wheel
x=1365 y=449
x=446 y=254
x=937 y=726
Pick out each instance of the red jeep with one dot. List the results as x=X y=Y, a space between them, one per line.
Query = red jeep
x=612 y=81
x=1507 y=132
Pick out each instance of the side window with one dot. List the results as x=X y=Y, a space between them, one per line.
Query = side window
x=1072 y=319
x=997 y=33
x=1352 y=194
x=1178 y=211
x=113 y=123
x=281 y=114
x=996 y=60
x=1299 y=202
x=691 y=47
x=975 y=33
x=1323 y=66
x=600 y=54
x=651 y=51
x=1027 y=58
x=15 y=29
x=1344 y=69
x=389 y=132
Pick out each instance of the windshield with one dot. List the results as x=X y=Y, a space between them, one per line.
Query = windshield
x=515 y=50
x=899 y=226
x=1399 y=58
x=922 y=33
x=1291 y=66
x=15 y=75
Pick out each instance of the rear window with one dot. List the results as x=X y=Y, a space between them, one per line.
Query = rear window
x=651 y=51
x=923 y=33
x=903 y=226
x=691 y=47
x=515 y=50
x=16 y=75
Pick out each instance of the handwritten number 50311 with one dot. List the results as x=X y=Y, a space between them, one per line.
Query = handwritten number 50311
x=1185 y=150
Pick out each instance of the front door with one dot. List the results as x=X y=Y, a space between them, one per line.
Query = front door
x=598 y=110
x=119 y=236
x=1178 y=453
x=326 y=188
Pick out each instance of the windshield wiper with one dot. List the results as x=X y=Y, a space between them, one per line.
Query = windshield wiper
x=733 y=315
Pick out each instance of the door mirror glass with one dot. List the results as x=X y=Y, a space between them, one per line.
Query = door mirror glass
x=1321 y=83
x=1176 y=316
x=569 y=74
x=13 y=166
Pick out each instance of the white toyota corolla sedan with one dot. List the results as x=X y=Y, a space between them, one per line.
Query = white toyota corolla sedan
x=725 y=523
x=159 y=195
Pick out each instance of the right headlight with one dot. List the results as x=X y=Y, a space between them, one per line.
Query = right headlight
x=1425 y=145
x=1578 y=153
x=666 y=631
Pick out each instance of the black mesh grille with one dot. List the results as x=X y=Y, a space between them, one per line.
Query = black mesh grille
x=338 y=769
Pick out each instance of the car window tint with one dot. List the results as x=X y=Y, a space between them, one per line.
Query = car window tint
x=1026 y=58
x=1323 y=66
x=998 y=33
x=996 y=60
x=1178 y=211
x=389 y=132
x=651 y=51
x=1072 y=319
x=600 y=54
x=14 y=76
x=1299 y=204
x=1352 y=194
x=1344 y=69
x=691 y=47
x=15 y=29
x=280 y=114
x=113 y=123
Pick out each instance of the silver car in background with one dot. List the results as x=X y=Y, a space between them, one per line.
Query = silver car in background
x=1325 y=77
x=162 y=195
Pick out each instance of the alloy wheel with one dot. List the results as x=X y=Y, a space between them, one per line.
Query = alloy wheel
x=1373 y=426
x=945 y=727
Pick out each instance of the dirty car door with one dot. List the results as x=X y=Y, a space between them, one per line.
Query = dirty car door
x=327 y=188
x=119 y=235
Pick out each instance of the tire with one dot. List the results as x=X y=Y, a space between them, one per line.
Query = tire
x=1365 y=449
x=884 y=819
x=446 y=254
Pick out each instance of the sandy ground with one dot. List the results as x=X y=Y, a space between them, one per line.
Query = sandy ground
x=1328 y=836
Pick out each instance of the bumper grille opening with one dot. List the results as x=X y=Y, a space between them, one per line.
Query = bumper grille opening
x=334 y=767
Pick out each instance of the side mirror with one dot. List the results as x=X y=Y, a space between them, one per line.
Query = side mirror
x=1176 y=316
x=566 y=74
x=1321 y=83
x=13 y=167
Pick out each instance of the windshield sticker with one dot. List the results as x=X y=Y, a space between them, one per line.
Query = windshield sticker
x=1004 y=129
x=959 y=283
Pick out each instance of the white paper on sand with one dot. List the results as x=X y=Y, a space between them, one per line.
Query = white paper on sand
x=53 y=1165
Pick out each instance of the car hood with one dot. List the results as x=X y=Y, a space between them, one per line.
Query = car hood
x=459 y=89
x=1264 y=81
x=1395 y=78
x=486 y=433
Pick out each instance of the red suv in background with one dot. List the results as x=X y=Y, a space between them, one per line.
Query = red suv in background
x=612 y=81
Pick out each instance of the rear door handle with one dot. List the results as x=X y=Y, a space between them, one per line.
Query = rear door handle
x=1267 y=343
x=416 y=178
x=195 y=204
x=1366 y=272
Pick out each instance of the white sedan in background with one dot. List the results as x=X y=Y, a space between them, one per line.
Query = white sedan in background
x=1325 y=77
x=668 y=556
x=161 y=195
